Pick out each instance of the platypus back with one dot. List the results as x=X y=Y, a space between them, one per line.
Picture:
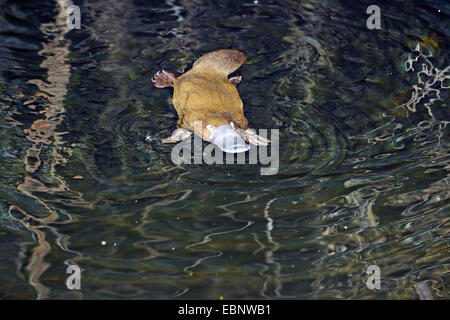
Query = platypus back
x=208 y=103
x=223 y=61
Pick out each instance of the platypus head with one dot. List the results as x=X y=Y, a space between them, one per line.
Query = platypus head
x=227 y=138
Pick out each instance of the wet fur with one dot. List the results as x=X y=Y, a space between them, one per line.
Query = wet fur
x=205 y=93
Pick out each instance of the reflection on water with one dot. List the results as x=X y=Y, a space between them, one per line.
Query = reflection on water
x=364 y=162
x=43 y=134
x=430 y=80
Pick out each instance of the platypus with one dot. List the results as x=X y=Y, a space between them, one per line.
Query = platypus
x=208 y=103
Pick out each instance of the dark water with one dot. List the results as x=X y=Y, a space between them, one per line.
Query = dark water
x=364 y=152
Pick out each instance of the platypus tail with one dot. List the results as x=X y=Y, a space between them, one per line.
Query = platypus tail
x=222 y=61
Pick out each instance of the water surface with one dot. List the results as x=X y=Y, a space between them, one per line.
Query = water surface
x=364 y=169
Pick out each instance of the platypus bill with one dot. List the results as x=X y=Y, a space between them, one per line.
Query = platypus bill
x=205 y=95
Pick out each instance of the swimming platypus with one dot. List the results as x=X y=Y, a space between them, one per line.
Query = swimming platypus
x=208 y=103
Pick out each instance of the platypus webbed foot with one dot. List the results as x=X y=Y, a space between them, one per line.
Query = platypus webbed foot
x=177 y=135
x=163 y=79
x=235 y=80
x=255 y=139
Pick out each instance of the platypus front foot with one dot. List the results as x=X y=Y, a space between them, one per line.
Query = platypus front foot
x=163 y=79
x=255 y=139
x=235 y=80
x=178 y=135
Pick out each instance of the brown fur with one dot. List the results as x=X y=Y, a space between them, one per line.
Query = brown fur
x=224 y=61
x=205 y=93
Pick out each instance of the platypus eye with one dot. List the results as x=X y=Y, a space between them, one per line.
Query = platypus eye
x=211 y=129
